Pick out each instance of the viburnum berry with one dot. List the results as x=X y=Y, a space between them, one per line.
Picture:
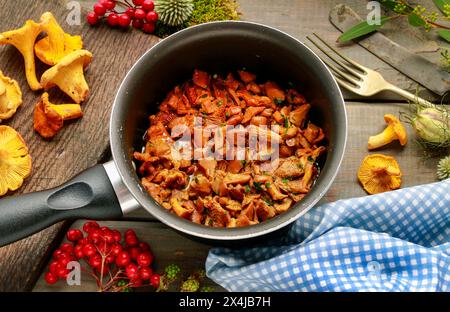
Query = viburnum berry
x=130 y=12
x=117 y=236
x=151 y=17
x=62 y=273
x=145 y=273
x=137 y=23
x=145 y=259
x=89 y=250
x=54 y=267
x=57 y=253
x=108 y=4
x=95 y=261
x=130 y=232
x=116 y=249
x=137 y=2
x=110 y=259
x=124 y=20
x=123 y=259
x=88 y=226
x=64 y=262
x=74 y=235
x=148 y=28
x=51 y=278
x=132 y=271
x=131 y=240
x=108 y=236
x=66 y=247
x=113 y=19
x=99 y=9
x=92 y=18
x=78 y=251
x=144 y=246
x=139 y=14
x=83 y=241
x=137 y=282
x=106 y=269
x=148 y=5
x=134 y=252
x=95 y=235
x=155 y=280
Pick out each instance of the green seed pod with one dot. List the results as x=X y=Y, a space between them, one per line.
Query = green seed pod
x=443 y=169
x=174 y=12
x=433 y=125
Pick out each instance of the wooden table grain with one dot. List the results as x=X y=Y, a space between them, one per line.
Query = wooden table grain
x=22 y=264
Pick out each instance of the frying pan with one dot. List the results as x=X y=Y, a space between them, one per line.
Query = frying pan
x=113 y=189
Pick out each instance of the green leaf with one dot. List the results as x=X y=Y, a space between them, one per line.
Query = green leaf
x=445 y=34
x=415 y=20
x=362 y=29
x=389 y=4
x=441 y=3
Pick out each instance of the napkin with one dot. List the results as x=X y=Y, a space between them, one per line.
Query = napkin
x=395 y=241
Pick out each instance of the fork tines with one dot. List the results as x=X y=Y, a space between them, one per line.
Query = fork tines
x=346 y=71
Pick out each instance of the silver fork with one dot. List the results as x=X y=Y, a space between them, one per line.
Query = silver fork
x=357 y=78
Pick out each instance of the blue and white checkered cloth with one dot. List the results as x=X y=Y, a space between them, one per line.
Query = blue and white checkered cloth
x=396 y=241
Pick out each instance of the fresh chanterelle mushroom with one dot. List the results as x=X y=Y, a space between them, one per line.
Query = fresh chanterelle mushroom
x=57 y=44
x=68 y=75
x=49 y=118
x=379 y=173
x=10 y=97
x=394 y=131
x=15 y=162
x=23 y=39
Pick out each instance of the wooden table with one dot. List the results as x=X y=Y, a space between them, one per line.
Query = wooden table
x=22 y=263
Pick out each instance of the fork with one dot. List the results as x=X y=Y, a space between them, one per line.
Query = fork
x=357 y=78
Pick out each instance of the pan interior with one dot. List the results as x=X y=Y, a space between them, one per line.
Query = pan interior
x=220 y=48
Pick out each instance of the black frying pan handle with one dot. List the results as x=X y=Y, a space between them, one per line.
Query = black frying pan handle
x=89 y=195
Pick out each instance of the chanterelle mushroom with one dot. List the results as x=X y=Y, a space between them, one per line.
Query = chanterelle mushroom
x=68 y=75
x=394 y=131
x=23 y=39
x=379 y=173
x=57 y=44
x=15 y=163
x=49 y=118
x=10 y=97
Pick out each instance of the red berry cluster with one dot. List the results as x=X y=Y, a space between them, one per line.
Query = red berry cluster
x=103 y=250
x=140 y=14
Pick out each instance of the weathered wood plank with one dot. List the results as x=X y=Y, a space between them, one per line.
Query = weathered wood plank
x=80 y=144
x=302 y=18
x=167 y=246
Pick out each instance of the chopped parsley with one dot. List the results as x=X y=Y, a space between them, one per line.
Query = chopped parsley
x=286 y=122
x=219 y=103
x=247 y=189
x=267 y=184
x=285 y=180
x=244 y=162
x=227 y=114
x=310 y=159
x=257 y=186
x=278 y=101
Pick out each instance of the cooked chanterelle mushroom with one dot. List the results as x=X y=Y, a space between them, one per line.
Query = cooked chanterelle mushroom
x=57 y=44
x=68 y=75
x=49 y=118
x=15 y=163
x=232 y=192
x=394 y=131
x=23 y=39
x=379 y=173
x=10 y=97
